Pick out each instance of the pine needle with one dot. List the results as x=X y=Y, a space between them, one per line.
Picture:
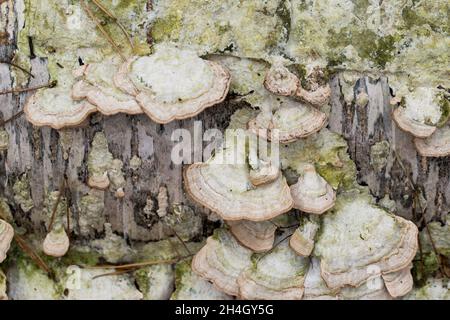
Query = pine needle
x=33 y=255
x=14 y=117
x=20 y=90
x=102 y=30
x=55 y=206
x=18 y=67
x=110 y=15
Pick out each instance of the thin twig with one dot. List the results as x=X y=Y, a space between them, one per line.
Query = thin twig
x=139 y=264
x=55 y=206
x=102 y=30
x=18 y=67
x=284 y=227
x=114 y=18
x=20 y=90
x=181 y=240
x=33 y=255
x=115 y=273
x=15 y=116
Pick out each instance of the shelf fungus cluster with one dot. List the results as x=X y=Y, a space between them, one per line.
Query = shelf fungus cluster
x=168 y=85
x=424 y=113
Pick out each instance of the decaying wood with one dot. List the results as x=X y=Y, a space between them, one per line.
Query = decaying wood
x=38 y=151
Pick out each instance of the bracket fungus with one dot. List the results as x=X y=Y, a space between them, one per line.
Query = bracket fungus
x=312 y=193
x=96 y=86
x=227 y=190
x=55 y=108
x=221 y=261
x=437 y=145
x=56 y=243
x=190 y=286
x=173 y=84
x=292 y=121
x=376 y=243
x=399 y=283
x=257 y=236
x=264 y=172
x=6 y=236
x=419 y=113
x=302 y=240
x=278 y=275
x=280 y=81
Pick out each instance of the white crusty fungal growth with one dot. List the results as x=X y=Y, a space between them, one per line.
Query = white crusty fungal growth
x=315 y=287
x=99 y=162
x=359 y=240
x=221 y=261
x=6 y=236
x=399 y=283
x=264 y=172
x=312 y=193
x=257 y=236
x=190 y=286
x=96 y=86
x=173 y=83
x=278 y=275
x=227 y=189
x=280 y=81
x=289 y=123
x=55 y=108
x=437 y=145
x=420 y=113
x=302 y=240
x=56 y=243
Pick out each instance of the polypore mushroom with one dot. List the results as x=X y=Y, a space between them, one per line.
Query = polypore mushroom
x=56 y=243
x=264 y=172
x=312 y=193
x=437 y=145
x=55 y=108
x=97 y=87
x=302 y=240
x=190 y=286
x=359 y=240
x=99 y=162
x=315 y=286
x=291 y=122
x=399 y=283
x=257 y=236
x=420 y=113
x=280 y=81
x=278 y=275
x=173 y=83
x=227 y=189
x=221 y=261
x=6 y=236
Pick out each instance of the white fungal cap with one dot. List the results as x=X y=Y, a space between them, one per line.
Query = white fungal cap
x=257 y=236
x=302 y=240
x=6 y=236
x=55 y=108
x=359 y=240
x=437 y=145
x=96 y=86
x=280 y=81
x=293 y=120
x=312 y=193
x=56 y=243
x=266 y=172
x=173 y=83
x=190 y=286
x=420 y=114
x=277 y=275
x=221 y=261
x=399 y=283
